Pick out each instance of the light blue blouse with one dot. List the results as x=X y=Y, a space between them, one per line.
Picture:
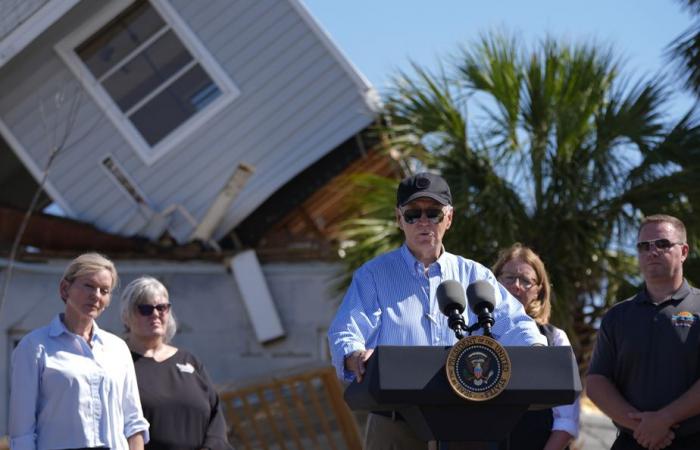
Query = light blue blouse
x=65 y=394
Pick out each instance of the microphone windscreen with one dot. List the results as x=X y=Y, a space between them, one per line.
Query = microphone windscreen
x=481 y=295
x=450 y=295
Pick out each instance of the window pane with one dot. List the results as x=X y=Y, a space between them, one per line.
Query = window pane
x=119 y=37
x=151 y=68
x=181 y=100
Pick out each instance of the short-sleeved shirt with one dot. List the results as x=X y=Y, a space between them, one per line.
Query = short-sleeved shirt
x=651 y=352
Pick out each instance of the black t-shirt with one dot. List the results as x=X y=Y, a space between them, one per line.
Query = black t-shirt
x=180 y=403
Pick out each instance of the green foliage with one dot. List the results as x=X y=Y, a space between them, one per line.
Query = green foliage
x=374 y=230
x=562 y=153
x=684 y=51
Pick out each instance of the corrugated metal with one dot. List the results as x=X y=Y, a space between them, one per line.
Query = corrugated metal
x=297 y=103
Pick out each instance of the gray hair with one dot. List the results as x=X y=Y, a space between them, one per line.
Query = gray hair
x=139 y=292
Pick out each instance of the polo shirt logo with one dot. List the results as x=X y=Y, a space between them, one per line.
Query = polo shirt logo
x=683 y=319
x=186 y=368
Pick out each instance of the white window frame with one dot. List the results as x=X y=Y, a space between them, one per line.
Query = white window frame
x=148 y=154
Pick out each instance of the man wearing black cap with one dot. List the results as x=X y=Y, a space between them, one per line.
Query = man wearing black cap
x=392 y=301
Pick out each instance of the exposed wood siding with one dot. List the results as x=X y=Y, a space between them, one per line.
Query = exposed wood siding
x=309 y=232
x=297 y=103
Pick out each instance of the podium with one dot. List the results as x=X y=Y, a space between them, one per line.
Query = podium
x=412 y=381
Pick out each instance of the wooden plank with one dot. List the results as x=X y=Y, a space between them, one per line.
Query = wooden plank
x=347 y=423
x=321 y=414
x=303 y=414
x=254 y=422
x=277 y=389
x=234 y=420
x=310 y=400
x=271 y=418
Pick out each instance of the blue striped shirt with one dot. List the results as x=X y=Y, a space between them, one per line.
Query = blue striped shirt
x=391 y=301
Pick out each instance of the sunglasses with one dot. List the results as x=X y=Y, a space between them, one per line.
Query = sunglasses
x=510 y=280
x=147 y=310
x=413 y=215
x=659 y=244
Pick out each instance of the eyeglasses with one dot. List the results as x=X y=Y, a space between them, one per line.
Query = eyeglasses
x=413 y=215
x=147 y=310
x=659 y=244
x=525 y=283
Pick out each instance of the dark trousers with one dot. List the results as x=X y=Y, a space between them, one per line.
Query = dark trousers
x=385 y=433
x=626 y=441
x=531 y=432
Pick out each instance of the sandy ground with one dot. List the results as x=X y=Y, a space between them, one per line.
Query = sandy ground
x=597 y=431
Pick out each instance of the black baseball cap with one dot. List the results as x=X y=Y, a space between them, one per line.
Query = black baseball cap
x=423 y=185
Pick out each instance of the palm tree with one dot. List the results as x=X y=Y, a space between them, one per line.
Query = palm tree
x=560 y=152
x=685 y=50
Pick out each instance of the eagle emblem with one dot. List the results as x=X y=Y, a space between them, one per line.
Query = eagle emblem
x=478 y=368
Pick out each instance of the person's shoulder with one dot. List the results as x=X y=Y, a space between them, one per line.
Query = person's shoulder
x=462 y=261
x=114 y=341
x=381 y=261
x=186 y=357
x=620 y=308
x=560 y=336
x=38 y=336
x=624 y=304
x=466 y=268
x=694 y=291
x=108 y=335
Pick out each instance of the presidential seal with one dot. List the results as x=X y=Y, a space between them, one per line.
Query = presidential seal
x=478 y=368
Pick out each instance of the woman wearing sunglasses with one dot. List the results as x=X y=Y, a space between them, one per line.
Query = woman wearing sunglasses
x=522 y=272
x=178 y=398
x=73 y=384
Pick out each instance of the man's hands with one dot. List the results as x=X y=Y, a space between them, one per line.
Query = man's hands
x=355 y=362
x=654 y=429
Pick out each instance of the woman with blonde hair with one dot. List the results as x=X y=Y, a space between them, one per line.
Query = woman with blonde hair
x=73 y=384
x=523 y=274
x=178 y=398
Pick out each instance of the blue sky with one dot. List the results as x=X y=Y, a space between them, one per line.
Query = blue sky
x=381 y=36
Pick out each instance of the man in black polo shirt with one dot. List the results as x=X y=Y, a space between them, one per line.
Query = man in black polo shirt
x=645 y=369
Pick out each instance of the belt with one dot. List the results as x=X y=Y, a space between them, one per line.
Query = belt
x=393 y=415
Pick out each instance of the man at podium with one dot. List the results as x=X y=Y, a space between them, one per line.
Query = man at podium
x=392 y=300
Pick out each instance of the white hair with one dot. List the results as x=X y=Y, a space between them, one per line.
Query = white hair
x=139 y=292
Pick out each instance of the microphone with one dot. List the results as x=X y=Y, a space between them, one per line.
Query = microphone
x=451 y=299
x=482 y=301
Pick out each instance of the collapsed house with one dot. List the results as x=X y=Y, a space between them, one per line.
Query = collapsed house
x=204 y=143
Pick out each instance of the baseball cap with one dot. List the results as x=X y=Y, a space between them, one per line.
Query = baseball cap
x=423 y=185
